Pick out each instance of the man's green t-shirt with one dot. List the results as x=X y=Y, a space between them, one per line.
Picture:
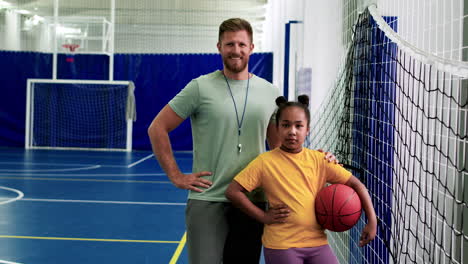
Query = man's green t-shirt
x=208 y=102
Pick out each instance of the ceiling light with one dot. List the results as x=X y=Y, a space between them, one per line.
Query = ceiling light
x=4 y=3
x=23 y=12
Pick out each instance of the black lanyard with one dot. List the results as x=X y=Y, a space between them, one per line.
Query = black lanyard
x=239 y=122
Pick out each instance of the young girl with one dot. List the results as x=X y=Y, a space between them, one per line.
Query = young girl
x=291 y=177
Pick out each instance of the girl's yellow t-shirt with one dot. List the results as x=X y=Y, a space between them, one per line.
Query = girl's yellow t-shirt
x=294 y=180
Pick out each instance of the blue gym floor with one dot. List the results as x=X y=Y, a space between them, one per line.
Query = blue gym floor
x=89 y=207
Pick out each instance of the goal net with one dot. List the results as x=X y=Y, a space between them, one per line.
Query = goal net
x=79 y=114
x=397 y=117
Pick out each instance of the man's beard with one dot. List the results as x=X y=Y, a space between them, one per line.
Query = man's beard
x=235 y=68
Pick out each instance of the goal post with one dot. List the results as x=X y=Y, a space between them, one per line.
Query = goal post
x=79 y=114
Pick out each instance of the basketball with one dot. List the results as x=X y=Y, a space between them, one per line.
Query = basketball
x=337 y=207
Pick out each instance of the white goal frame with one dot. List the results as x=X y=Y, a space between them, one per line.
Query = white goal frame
x=30 y=111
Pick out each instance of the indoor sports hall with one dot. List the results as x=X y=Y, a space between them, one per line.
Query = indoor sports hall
x=81 y=81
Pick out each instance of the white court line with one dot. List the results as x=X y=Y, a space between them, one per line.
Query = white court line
x=46 y=170
x=61 y=164
x=20 y=195
x=48 y=164
x=97 y=201
x=89 y=175
x=141 y=160
x=82 y=180
x=8 y=262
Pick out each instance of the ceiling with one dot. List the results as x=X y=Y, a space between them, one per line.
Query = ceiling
x=149 y=25
x=189 y=12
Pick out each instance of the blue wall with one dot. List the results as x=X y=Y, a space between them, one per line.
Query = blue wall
x=157 y=78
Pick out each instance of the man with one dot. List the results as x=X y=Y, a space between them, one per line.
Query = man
x=230 y=113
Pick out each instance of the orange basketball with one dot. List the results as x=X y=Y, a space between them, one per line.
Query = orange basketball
x=337 y=207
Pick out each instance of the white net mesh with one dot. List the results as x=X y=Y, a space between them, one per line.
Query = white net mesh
x=397 y=117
